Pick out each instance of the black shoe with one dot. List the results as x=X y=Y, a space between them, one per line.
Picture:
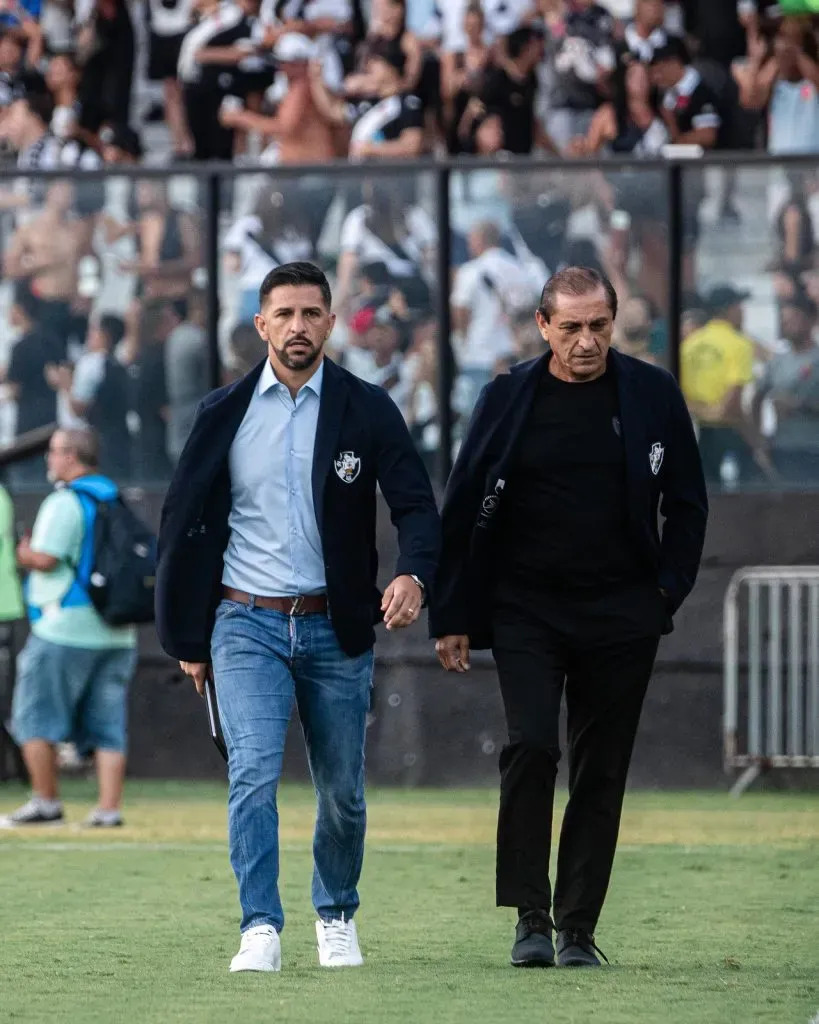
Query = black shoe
x=533 y=941
x=576 y=948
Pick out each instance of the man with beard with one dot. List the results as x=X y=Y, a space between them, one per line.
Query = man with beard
x=266 y=586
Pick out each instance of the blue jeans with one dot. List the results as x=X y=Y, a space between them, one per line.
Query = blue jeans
x=264 y=660
x=75 y=694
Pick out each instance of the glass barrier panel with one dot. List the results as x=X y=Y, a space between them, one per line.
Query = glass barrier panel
x=749 y=360
x=514 y=227
x=376 y=238
x=103 y=315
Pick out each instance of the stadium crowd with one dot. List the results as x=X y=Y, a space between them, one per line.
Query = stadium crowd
x=306 y=81
x=102 y=298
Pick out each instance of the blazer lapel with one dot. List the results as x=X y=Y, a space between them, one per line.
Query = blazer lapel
x=635 y=443
x=517 y=403
x=331 y=410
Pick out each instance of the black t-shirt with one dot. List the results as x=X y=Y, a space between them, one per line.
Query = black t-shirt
x=514 y=102
x=563 y=522
x=385 y=119
x=693 y=103
x=36 y=402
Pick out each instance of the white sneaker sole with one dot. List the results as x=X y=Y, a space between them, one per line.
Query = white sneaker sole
x=255 y=969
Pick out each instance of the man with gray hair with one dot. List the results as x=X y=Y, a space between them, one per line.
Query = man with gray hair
x=553 y=558
x=74 y=671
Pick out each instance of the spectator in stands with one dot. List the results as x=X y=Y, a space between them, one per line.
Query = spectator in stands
x=503 y=17
x=791 y=381
x=462 y=74
x=389 y=125
x=329 y=23
x=21 y=20
x=388 y=34
x=96 y=392
x=629 y=123
x=246 y=348
x=794 y=228
x=107 y=51
x=63 y=79
x=45 y=252
x=540 y=208
x=149 y=394
x=391 y=229
x=300 y=130
x=167 y=242
x=716 y=364
x=689 y=107
x=11 y=63
x=25 y=124
x=73 y=674
x=487 y=294
x=632 y=333
x=25 y=379
x=169 y=21
x=503 y=118
x=121 y=145
x=259 y=242
x=208 y=69
x=647 y=32
x=583 y=58
x=785 y=84
x=187 y=372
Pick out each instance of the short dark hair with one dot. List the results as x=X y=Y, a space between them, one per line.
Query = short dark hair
x=299 y=274
x=673 y=48
x=517 y=41
x=575 y=281
x=113 y=327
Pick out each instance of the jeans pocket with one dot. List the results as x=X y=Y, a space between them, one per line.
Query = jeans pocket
x=227 y=609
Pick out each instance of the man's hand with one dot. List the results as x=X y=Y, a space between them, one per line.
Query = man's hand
x=199 y=672
x=401 y=603
x=453 y=653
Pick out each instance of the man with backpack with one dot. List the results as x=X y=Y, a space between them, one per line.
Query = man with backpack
x=90 y=564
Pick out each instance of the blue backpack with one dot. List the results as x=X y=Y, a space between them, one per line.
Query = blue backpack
x=116 y=571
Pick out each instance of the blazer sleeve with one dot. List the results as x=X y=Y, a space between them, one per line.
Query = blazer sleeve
x=449 y=609
x=684 y=505
x=406 y=487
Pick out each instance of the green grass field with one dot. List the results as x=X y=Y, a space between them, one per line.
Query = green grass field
x=712 y=917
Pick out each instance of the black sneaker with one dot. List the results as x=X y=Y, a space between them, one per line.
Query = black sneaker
x=576 y=948
x=35 y=812
x=533 y=940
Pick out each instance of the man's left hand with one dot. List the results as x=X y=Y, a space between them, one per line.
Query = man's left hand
x=401 y=603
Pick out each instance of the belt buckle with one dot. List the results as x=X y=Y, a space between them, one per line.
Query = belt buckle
x=296 y=604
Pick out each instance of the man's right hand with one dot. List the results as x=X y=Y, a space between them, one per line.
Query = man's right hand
x=453 y=653
x=199 y=672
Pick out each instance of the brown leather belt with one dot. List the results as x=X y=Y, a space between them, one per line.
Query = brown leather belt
x=303 y=604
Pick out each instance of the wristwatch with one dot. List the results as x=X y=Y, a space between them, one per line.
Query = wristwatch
x=421 y=587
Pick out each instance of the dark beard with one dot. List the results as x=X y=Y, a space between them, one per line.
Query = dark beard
x=298 y=362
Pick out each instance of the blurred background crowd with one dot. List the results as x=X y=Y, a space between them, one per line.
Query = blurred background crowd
x=103 y=296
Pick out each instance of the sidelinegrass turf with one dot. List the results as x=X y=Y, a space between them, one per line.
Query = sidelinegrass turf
x=713 y=917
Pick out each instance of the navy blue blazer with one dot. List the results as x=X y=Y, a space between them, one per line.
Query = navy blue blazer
x=361 y=441
x=662 y=462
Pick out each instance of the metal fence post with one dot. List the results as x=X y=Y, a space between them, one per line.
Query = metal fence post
x=446 y=363
x=212 y=190
x=675 y=244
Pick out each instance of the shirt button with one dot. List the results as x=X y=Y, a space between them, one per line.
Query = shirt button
x=292 y=451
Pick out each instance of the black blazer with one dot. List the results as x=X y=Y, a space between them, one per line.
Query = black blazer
x=656 y=428
x=354 y=417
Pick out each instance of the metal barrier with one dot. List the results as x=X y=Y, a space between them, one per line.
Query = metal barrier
x=778 y=707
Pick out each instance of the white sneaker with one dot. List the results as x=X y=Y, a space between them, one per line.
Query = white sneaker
x=261 y=950
x=338 y=944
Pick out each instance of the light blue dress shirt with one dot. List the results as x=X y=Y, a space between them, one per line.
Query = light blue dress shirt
x=275 y=548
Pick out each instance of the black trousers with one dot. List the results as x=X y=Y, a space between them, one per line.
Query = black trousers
x=605 y=682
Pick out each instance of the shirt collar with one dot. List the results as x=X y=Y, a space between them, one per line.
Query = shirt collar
x=269 y=380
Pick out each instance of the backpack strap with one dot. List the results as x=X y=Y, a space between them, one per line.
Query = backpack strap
x=77 y=593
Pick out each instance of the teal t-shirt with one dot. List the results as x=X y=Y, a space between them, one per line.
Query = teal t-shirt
x=58 y=531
